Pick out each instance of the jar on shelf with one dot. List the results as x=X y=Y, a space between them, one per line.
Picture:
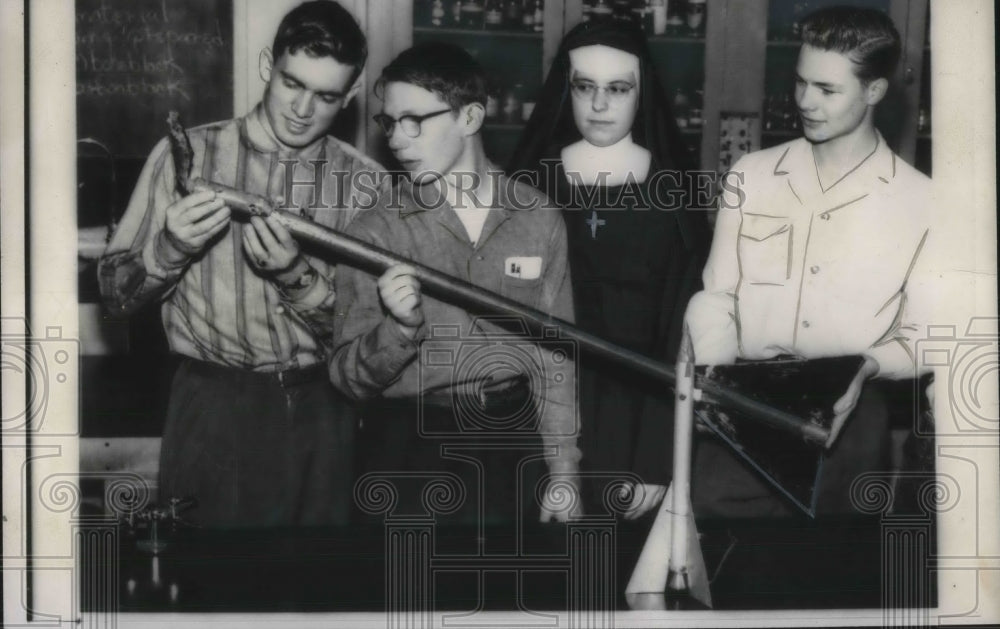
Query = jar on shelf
x=681 y=105
x=528 y=15
x=648 y=24
x=538 y=18
x=472 y=14
x=492 y=106
x=638 y=15
x=622 y=9
x=676 y=10
x=659 y=9
x=789 y=113
x=799 y=11
x=527 y=108
x=602 y=9
x=493 y=18
x=512 y=104
x=437 y=13
x=695 y=119
x=695 y=14
x=772 y=117
x=512 y=14
x=923 y=120
x=456 y=13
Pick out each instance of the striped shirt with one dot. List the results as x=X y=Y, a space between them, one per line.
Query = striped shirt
x=216 y=307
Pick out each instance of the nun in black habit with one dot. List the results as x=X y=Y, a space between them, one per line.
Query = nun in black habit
x=604 y=146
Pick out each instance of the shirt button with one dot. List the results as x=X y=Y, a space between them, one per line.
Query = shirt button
x=824 y=216
x=480 y=258
x=805 y=324
x=814 y=269
x=280 y=310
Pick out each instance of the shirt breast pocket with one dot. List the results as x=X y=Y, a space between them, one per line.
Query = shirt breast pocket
x=523 y=291
x=765 y=249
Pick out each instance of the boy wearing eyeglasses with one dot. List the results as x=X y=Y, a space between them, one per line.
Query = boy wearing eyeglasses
x=254 y=430
x=475 y=410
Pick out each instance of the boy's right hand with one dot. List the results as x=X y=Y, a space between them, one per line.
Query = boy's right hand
x=399 y=290
x=194 y=220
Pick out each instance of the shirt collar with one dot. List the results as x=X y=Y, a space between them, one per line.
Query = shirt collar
x=501 y=201
x=797 y=164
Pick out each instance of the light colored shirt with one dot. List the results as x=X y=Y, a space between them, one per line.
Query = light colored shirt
x=216 y=307
x=521 y=254
x=796 y=269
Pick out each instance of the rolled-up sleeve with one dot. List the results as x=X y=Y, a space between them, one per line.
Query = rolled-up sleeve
x=316 y=303
x=370 y=351
x=140 y=265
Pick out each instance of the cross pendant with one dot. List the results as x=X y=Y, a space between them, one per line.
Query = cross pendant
x=594 y=223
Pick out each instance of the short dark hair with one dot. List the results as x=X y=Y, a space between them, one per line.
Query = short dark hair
x=444 y=69
x=322 y=28
x=866 y=36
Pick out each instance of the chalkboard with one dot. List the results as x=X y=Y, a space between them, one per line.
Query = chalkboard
x=138 y=59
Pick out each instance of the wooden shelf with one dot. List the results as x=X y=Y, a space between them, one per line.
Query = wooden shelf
x=473 y=32
x=783 y=43
x=517 y=126
x=503 y=126
x=675 y=39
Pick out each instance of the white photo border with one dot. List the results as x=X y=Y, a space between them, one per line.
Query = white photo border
x=968 y=557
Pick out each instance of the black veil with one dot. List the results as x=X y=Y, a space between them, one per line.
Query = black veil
x=638 y=443
x=551 y=126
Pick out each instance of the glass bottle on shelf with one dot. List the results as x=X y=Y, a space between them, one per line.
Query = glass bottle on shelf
x=799 y=11
x=646 y=15
x=539 y=17
x=771 y=118
x=923 y=120
x=512 y=105
x=789 y=114
x=695 y=120
x=659 y=17
x=695 y=15
x=681 y=105
x=528 y=16
x=675 y=16
x=472 y=14
x=637 y=13
x=622 y=9
x=456 y=13
x=512 y=14
x=587 y=9
x=527 y=107
x=492 y=105
x=437 y=13
x=602 y=9
x=493 y=18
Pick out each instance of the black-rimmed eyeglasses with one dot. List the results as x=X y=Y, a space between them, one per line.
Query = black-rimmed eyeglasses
x=616 y=92
x=410 y=124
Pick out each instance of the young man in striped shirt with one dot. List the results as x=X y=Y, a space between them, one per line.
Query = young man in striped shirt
x=254 y=431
